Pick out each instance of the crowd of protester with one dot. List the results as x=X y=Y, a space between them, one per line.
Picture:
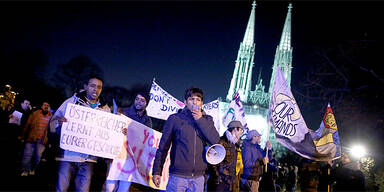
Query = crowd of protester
x=30 y=159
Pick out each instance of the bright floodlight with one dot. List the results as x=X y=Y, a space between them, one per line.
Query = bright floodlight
x=358 y=151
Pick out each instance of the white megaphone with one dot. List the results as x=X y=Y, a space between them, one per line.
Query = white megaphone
x=215 y=154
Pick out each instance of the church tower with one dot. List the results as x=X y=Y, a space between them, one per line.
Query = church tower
x=283 y=55
x=242 y=75
x=256 y=102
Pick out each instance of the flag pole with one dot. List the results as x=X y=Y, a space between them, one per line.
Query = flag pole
x=266 y=154
x=218 y=116
x=329 y=187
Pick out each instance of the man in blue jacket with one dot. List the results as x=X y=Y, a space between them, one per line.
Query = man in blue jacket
x=188 y=131
x=254 y=159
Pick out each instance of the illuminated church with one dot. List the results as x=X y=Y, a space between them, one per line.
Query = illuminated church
x=255 y=102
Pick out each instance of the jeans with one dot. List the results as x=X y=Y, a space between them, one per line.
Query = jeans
x=82 y=172
x=179 y=184
x=32 y=150
x=116 y=186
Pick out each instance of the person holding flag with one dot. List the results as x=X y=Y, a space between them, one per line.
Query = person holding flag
x=254 y=159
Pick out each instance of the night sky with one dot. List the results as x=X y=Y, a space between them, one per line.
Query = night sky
x=180 y=43
x=185 y=43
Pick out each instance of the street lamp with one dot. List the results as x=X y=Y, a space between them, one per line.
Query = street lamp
x=358 y=151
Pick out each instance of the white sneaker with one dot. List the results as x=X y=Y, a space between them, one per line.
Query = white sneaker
x=24 y=174
x=31 y=172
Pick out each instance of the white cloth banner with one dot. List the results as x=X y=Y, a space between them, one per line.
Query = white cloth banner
x=235 y=111
x=162 y=105
x=213 y=109
x=135 y=161
x=92 y=131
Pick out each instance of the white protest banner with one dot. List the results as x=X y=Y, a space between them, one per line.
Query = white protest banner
x=16 y=118
x=92 y=131
x=161 y=104
x=212 y=108
x=135 y=161
x=235 y=111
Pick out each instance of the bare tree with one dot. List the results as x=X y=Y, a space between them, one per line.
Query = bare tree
x=74 y=74
x=349 y=76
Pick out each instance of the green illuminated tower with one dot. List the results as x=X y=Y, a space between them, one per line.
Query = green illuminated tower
x=256 y=102
x=283 y=55
x=242 y=75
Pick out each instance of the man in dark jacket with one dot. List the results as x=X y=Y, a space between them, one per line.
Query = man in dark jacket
x=223 y=174
x=188 y=132
x=137 y=111
x=254 y=159
x=25 y=109
x=348 y=176
x=309 y=175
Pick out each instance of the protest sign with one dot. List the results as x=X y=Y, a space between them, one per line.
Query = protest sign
x=212 y=108
x=15 y=118
x=161 y=104
x=235 y=111
x=135 y=161
x=92 y=131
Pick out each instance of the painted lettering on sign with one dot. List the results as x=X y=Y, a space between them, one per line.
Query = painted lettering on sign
x=92 y=132
x=210 y=106
x=169 y=108
x=284 y=116
x=135 y=161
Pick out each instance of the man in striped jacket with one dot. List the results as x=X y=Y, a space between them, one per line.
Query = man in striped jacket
x=35 y=136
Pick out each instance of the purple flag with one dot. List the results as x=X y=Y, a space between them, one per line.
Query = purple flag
x=288 y=123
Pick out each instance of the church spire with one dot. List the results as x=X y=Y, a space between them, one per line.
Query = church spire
x=259 y=78
x=249 y=33
x=242 y=75
x=283 y=55
x=285 y=41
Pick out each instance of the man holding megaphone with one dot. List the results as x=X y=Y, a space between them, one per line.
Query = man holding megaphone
x=188 y=131
x=254 y=159
x=223 y=174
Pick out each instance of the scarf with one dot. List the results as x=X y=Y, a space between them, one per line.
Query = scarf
x=232 y=138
